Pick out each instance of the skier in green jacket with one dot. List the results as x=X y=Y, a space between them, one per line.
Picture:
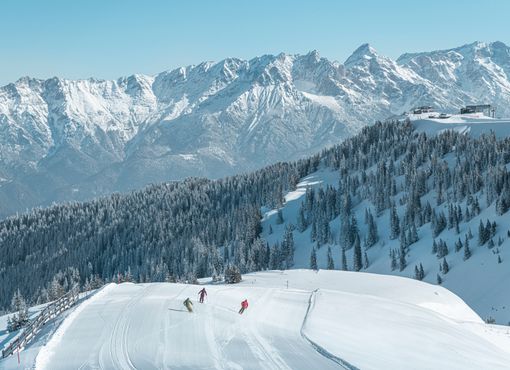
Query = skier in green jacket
x=188 y=304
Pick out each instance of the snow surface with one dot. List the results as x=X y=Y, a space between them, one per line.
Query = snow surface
x=472 y=124
x=297 y=319
x=28 y=355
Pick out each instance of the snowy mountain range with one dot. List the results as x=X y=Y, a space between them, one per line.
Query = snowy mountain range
x=63 y=139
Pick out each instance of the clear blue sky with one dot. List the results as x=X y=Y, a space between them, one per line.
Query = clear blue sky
x=112 y=38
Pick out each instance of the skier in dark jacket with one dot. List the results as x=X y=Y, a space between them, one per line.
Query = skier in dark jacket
x=244 y=306
x=202 y=295
x=188 y=304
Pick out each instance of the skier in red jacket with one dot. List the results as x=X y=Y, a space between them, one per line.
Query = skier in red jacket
x=244 y=306
x=202 y=295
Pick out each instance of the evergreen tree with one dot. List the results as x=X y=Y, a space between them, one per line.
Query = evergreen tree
x=434 y=247
x=357 y=259
x=394 y=222
x=354 y=231
x=313 y=260
x=344 y=260
x=372 y=236
x=331 y=264
x=417 y=275
x=313 y=232
x=413 y=234
x=467 y=251
x=422 y=272
x=276 y=259
x=442 y=249
x=402 y=263
x=288 y=248
x=439 y=280
x=393 y=260
x=482 y=234
x=366 y=262
x=20 y=309
x=439 y=225
x=232 y=275
x=458 y=245
x=301 y=220
x=445 y=267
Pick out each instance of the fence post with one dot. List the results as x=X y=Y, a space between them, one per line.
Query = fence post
x=50 y=311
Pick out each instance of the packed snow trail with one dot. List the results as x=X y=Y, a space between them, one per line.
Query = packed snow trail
x=133 y=328
x=318 y=348
x=325 y=320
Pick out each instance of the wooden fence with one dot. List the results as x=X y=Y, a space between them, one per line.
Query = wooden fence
x=34 y=326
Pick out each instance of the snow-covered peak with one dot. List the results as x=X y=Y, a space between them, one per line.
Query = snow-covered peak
x=475 y=73
x=361 y=55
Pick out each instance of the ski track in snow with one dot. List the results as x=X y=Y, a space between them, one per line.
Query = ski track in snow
x=118 y=349
x=235 y=342
x=322 y=351
x=269 y=357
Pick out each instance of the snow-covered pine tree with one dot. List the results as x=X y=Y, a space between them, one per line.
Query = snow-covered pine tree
x=402 y=263
x=393 y=260
x=422 y=271
x=366 y=262
x=232 y=275
x=20 y=317
x=394 y=222
x=313 y=259
x=417 y=275
x=288 y=248
x=458 y=245
x=372 y=235
x=301 y=220
x=330 y=264
x=357 y=258
x=482 y=234
x=467 y=251
x=344 y=260
x=313 y=231
x=445 y=267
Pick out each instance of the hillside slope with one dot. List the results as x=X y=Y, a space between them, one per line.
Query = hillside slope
x=326 y=320
x=482 y=279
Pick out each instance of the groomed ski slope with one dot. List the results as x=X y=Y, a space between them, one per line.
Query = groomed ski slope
x=324 y=320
